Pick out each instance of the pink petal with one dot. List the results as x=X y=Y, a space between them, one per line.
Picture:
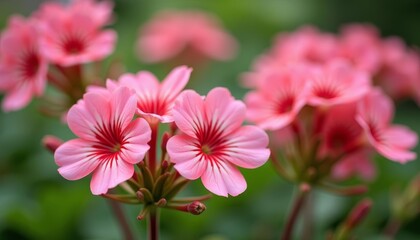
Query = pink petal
x=401 y=136
x=109 y=174
x=123 y=104
x=75 y=159
x=223 y=111
x=17 y=98
x=102 y=45
x=188 y=112
x=376 y=106
x=396 y=154
x=137 y=134
x=248 y=147
x=173 y=84
x=181 y=148
x=222 y=178
x=87 y=114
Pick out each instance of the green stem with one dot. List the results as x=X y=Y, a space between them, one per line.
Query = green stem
x=297 y=206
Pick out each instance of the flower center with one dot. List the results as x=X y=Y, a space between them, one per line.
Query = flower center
x=116 y=148
x=326 y=93
x=285 y=105
x=206 y=149
x=73 y=46
x=30 y=65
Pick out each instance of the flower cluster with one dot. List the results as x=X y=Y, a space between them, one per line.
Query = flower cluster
x=327 y=117
x=117 y=129
x=52 y=36
x=389 y=62
x=189 y=36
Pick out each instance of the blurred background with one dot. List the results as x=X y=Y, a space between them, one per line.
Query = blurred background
x=37 y=203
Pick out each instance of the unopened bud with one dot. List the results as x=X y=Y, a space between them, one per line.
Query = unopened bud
x=140 y=196
x=161 y=203
x=358 y=213
x=196 y=208
x=51 y=143
x=165 y=139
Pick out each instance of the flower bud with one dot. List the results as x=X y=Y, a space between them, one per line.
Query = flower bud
x=196 y=208
x=51 y=143
x=358 y=213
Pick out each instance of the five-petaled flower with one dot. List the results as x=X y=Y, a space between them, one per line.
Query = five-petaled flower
x=212 y=141
x=23 y=70
x=110 y=142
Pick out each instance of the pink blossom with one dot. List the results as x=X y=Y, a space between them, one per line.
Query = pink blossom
x=155 y=100
x=109 y=141
x=400 y=73
x=340 y=131
x=375 y=113
x=72 y=35
x=22 y=69
x=338 y=82
x=306 y=44
x=212 y=141
x=278 y=100
x=170 y=33
x=361 y=44
x=357 y=163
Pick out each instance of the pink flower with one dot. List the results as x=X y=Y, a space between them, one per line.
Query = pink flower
x=400 y=73
x=340 y=131
x=279 y=98
x=72 y=35
x=356 y=163
x=375 y=114
x=22 y=69
x=336 y=83
x=213 y=141
x=110 y=142
x=170 y=33
x=306 y=44
x=155 y=100
x=361 y=44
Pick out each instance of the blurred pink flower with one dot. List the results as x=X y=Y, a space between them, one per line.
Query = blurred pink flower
x=212 y=141
x=361 y=44
x=357 y=163
x=375 y=113
x=110 y=142
x=340 y=132
x=72 y=35
x=154 y=100
x=306 y=44
x=337 y=82
x=22 y=69
x=170 y=33
x=400 y=73
x=279 y=98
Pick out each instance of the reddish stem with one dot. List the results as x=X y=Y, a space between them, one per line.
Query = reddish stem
x=119 y=213
x=153 y=225
x=152 y=151
x=297 y=206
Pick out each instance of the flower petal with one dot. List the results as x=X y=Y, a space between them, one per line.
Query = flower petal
x=75 y=159
x=173 y=84
x=188 y=112
x=109 y=174
x=137 y=134
x=248 y=147
x=222 y=178
x=223 y=111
